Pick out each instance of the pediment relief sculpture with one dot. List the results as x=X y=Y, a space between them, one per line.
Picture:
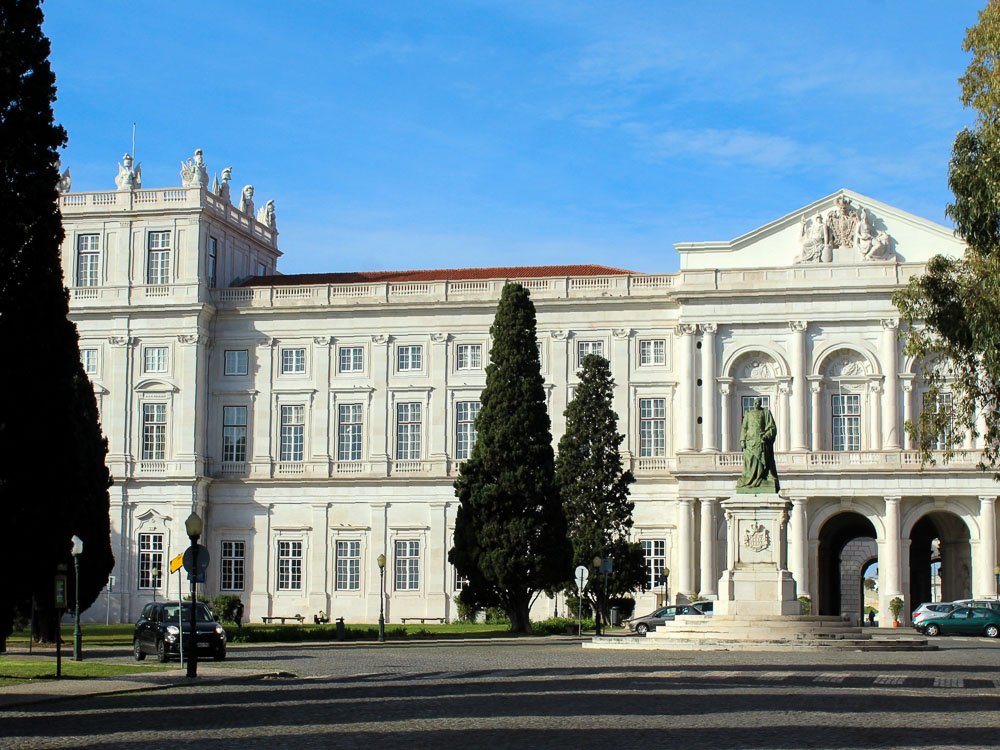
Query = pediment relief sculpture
x=844 y=227
x=847 y=364
x=756 y=367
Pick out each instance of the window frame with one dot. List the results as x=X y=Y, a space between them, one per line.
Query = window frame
x=92 y=268
x=464 y=443
x=413 y=364
x=295 y=361
x=591 y=345
x=410 y=449
x=347 y=565
x=231 y=441
x=232 y=566
x=246 y=363
x=290 y=557
x=354 y=356
x=652 y=427
x=654 y=549
x=406 y=567
x=154 y=433
x=291 y=434
x=158 y=265
x=653 y=357
x=468 y=356
x=351 y=449
x=848 y=419
x=212 y=259
x=150 y=557
x=155 y=356
x=89 y=360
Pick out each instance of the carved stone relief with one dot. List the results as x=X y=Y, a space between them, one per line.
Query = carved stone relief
x=844 y=227
x=756 y=537
x=846 y=364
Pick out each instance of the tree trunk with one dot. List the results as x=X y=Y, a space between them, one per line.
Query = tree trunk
x=46 y=625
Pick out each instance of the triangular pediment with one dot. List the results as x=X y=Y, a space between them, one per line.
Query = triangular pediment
x=844 y=228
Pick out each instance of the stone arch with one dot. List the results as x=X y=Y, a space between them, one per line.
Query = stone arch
x=848 y=381
x=817 y=518
x=755 y=372
x=781 y=369
x=841 y=532
x=940 y=536
x=823 y=358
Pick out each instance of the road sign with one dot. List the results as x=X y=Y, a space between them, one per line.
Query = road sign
x=60 y=592
x=177 y=562
x=582 y=575
x=607 y=565
x=203 y=561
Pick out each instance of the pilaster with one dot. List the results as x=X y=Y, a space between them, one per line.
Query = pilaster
x=709 y=426
x=800 y=387
x=889 y=354
x=684 y=401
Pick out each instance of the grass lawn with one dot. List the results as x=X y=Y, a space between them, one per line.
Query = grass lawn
x=26 y=670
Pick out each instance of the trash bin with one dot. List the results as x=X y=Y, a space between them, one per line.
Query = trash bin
x=614 y=619
x=340 y=628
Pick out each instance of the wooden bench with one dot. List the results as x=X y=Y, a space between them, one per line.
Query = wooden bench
x=298 y=618
x=422 y=619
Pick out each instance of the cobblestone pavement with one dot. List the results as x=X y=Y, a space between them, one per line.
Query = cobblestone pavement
x=548 y=695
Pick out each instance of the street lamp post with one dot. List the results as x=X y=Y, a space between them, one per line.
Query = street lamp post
x=194 y=526
x=996 y=572
x=666 y=577
x=155 y=573
x=597 y=596
x=77 y=551
x=381 y=598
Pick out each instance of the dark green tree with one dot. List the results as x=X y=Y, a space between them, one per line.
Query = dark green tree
x=951 y=311
x=510 y=531
x=53 y=480
x=595 y=488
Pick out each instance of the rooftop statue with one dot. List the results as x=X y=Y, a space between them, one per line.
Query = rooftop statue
x=267 y=217
x=757 y=440
x=194 y=173
x=246 y=200
x=221 y=189
x=129 y=178
x=65 y=181
x=814 y=240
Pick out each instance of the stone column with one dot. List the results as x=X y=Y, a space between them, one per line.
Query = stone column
x=907 y=410
x=685 y=546
x=620 y=367
x=875 y=432
x=560 y=369
x=781 y=445
x=816 y=414
x=800 y=386
x=798 y=541
x=437 y=561
x=323 y=426
x=263 y=411
x=709 y=428
x=889 y=562
x=889 y=354
x=985 y=581
x=379 y=541
x=380 y=434
x=684 y=401
x=320 y=560
x=709 y=579
x=725 y=419
x=439 y=415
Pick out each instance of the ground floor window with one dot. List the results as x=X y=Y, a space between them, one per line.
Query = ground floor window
x=348 y=566
x=407 y=565
x=289 y=566
x=233 y=565
x=150 y=560
x=655 y=552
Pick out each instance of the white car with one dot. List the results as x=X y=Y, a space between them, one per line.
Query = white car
x=931 y=609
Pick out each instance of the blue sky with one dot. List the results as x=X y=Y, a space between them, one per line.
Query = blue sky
x=397 y=135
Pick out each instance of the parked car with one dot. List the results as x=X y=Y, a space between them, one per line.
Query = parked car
x=162 y=624
x=984 y=603
x=643 y=625
x=930 y=609
x=963 y=621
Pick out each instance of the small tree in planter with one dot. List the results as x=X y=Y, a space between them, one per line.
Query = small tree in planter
x=895 y=606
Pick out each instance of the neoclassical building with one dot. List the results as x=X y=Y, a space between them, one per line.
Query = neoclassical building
x=317 y=421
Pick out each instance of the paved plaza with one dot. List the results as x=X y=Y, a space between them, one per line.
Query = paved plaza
x=543 y=694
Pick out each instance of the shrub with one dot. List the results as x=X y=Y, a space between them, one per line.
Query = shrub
x=805 y=603
x=224 y=607
x=896 y=606
x=466 y=612
x=496 y=616
x=559 y=626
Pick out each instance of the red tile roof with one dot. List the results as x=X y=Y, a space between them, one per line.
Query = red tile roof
x=446 y=274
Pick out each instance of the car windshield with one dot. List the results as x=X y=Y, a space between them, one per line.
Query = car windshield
x=172 y=611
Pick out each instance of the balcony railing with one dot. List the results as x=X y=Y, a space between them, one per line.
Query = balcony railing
x=832 y=460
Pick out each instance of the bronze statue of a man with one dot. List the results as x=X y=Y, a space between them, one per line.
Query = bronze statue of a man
x=757 y=440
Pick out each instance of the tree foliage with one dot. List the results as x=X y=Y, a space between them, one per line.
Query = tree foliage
x=53 y=481
x=595 y=488
x=510 y=531
x=951 y=311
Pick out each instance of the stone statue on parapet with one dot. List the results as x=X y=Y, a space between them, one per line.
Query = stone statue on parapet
x=246 y=201
x=757 y=440
x=194 y=173
x=814 y=241
x=267 y=217
x=221 y=189
x=65 y=181
x=129 y=177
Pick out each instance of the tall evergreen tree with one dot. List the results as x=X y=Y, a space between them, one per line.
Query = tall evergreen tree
x=953 y=308
x=595 y=488
x=53 y=481
x=510 y=531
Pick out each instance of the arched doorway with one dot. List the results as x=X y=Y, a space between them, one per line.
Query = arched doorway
x=846 y=546
x=939 y=548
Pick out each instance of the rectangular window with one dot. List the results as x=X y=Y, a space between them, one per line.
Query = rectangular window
x=88 y=358
x=652 y=352
x=293 y=361
x=234 y=561
x=289 y=566
x=408 y=431
x=348 y=566
x=460 y=581
x=237 y=361
x=352 y=359
x=469 y=356
x=747 y=402
x=654 y=551
x=88 y=259
x=409 y=358
x=154 y=359
x=234 y=433
x=846 y=413
x=583 y=348
x=652 y=427
x=349 y=432
x=261 y=269
x=158 y=258
x=154 y=432
x=293 y=427
x=213 y=260
x=943 y=404
x=150 y=561
x=407 y=565
x=465 y=428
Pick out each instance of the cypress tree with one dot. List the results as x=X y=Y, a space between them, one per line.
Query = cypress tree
x=510 y=531
x=595 y=488
x=53 y=481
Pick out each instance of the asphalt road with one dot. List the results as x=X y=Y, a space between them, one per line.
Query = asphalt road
x=548 y=695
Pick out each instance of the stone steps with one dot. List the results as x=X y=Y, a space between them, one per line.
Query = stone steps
x=870 y=644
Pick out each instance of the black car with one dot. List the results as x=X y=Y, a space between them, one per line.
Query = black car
x=162 y=624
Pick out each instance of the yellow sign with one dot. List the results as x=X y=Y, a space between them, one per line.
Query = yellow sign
x=176 y=563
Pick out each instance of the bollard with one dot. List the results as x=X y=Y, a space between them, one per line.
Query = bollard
x=340 y=628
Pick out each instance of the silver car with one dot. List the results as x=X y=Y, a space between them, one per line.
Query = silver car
x=931 y=609
x=642 y=625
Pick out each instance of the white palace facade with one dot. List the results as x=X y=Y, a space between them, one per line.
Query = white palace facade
x=318 y=421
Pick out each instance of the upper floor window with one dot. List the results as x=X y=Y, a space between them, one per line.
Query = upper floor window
x=348 y=566
x=459 y=581
x=234 y=433
x=150 y=561
x=747 y=403
x=289 y=566
x=154 y=359
x=652 y=352
x=583 y=348
x=234 y=560
x=652 y=427
x=349 y=432
x=408 y=421
x=655 y=553
x=846 y=413
x=261 y=269
x=407 y=565
x=154 y=432
x=469 y=356
x=293 y=361
x=352 y=359
x=293 y=427
x=409 y=358
x=237 y=361
x=465 y=428
x=213 y=259
x=88 y=259
x=158 y=258
x=943 y=404
x=88 y=358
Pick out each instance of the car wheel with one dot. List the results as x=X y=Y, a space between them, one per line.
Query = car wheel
x=642 y=628
x=992 y=631
x=933 y=630
x=220 y=655
x=161 y=651
x=137 y=650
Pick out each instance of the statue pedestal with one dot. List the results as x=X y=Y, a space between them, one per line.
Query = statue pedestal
x=756 y=581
